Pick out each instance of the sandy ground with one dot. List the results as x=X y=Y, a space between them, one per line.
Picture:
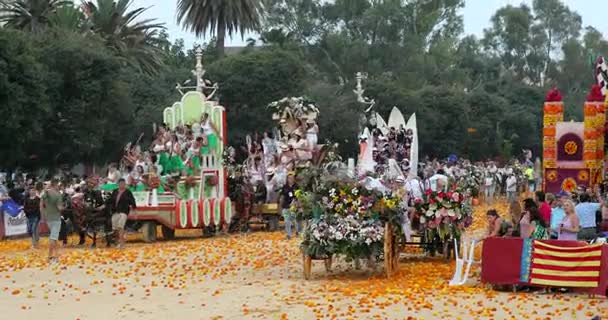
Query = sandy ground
x=253 y=276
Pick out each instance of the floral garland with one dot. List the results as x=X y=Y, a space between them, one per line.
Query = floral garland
x=596 y=95
x=471 y=181
x=347 y=219
x=296 y=107
x=444 y=214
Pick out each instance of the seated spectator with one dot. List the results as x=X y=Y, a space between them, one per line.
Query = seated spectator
x=497 y=226
x=532 y=225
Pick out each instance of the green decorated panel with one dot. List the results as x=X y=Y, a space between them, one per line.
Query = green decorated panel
x=169 y=118
x=177 y=111
x=193 y=105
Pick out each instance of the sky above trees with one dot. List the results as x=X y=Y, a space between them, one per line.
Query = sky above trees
x=477 y=14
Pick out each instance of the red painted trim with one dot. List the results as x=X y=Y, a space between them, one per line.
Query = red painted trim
x=211 y=214
x=224 y=140
x=178 y=213
x=223 y=210
x=152 y=217
x=201 y=214
x=188 y=214
x=161 y=208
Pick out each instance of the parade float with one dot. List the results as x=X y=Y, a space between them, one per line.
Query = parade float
x=373 y=138
x=197 y=201
x=573 y=152
x=292 y=146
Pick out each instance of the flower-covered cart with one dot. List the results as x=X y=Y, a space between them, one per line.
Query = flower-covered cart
x=349 y=220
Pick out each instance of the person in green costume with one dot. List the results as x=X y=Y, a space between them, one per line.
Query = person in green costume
x=210 y=133
x=159 y=147
x=193 y=164
x=176 y=164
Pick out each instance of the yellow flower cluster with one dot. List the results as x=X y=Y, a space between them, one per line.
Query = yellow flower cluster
x=390 y=203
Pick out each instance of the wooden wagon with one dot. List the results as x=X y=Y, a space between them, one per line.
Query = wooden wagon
x=390 y=255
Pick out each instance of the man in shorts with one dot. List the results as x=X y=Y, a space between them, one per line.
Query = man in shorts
x=122 y=202
x=51 y=205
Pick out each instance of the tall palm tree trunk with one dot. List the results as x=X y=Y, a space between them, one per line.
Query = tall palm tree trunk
x=221 y=37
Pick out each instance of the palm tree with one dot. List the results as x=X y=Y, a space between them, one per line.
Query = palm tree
x=133 y=39
x=32 y=15
x=68 y=18
x=220 y=16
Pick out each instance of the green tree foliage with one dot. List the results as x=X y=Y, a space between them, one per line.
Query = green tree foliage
x=125 y=32
x=31 y=15
x=250 y=81
x=23 y=99
x=220 y=16
x=77 y=85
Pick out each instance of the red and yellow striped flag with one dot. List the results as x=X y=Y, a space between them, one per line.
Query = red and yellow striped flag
x=566 y=266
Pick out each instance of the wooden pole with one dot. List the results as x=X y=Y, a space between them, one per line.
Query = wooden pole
x=307 y=266
x=388 y=250
x=396 y=251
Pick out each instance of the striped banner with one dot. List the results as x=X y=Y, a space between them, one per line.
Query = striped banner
x=577 y=267
x=526 y=261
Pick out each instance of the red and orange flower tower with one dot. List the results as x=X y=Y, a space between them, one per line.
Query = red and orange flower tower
x=573 y=152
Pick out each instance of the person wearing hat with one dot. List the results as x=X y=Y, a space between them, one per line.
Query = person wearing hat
x=312 y=132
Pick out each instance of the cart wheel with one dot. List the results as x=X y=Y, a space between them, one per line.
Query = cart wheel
x=273 y=223
x=445 y=245
x=168 y=233
x=208 y=232
x=149 y=231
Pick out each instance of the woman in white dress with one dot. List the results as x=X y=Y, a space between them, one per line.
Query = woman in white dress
x=256 y=171
x=270 y=148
